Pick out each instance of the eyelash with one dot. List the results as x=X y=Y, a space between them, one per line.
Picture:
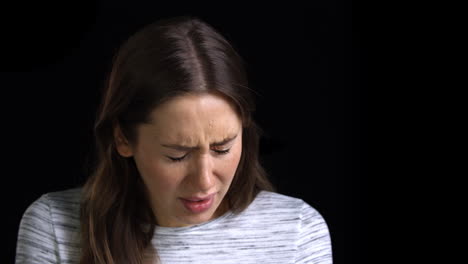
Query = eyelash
x=220 y=152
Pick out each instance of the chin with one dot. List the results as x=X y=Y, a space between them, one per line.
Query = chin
x=190 y=220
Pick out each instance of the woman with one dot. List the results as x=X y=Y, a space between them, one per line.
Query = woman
x=177 y=177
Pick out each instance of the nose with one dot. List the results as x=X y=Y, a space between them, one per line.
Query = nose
x=202 y=178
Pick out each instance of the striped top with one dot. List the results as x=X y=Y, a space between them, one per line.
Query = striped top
x=273 y=229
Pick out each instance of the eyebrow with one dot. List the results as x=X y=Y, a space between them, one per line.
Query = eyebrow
x=186 y=148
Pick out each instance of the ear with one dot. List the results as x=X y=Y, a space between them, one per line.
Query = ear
x=121 y=143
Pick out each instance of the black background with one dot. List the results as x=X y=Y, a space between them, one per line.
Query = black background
x=309 y=65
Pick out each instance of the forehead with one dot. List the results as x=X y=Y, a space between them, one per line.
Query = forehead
x=187 y=115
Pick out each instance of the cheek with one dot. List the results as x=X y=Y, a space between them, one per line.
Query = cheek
x=157 y=175
x=230 y=165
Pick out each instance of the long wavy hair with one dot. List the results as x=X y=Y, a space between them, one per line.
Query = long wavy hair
x=170 y=57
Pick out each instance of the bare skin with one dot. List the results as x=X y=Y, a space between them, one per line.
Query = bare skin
x=198 y=121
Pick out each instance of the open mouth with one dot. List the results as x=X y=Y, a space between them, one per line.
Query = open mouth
x=197 y=205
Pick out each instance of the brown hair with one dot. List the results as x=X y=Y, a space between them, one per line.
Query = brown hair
x=167 y=58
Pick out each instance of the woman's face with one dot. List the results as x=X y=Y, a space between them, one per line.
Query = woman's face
x=191 y=149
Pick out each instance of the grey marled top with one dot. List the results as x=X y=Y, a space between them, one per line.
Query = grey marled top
x=274 y=229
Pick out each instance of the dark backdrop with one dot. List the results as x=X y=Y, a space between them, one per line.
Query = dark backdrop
x=308 y=64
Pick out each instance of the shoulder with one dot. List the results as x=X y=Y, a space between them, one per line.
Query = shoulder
x=55 y=207
x=57 y=200
x=64 y=204
x=64 y=197
x=275 y=195
x=302 y=223
x=65 y=200
x=273 y=200
x=283 y=206
x=266 y=200
x=49 y=228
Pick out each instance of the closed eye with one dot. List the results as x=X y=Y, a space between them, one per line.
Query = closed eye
x=179 y=159
x=222 y=151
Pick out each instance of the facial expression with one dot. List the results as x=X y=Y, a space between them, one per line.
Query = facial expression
x=191 y=149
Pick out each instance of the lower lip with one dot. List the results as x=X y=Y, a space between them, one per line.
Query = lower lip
x=198 y=207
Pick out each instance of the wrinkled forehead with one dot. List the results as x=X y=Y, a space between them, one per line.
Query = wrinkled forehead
x=196 y=101
x=184 y=118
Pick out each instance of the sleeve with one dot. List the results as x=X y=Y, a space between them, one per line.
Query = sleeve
x=36 y=236
x=314 y=243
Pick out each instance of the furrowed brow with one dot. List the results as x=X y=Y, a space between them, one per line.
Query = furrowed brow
x=186 y=148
